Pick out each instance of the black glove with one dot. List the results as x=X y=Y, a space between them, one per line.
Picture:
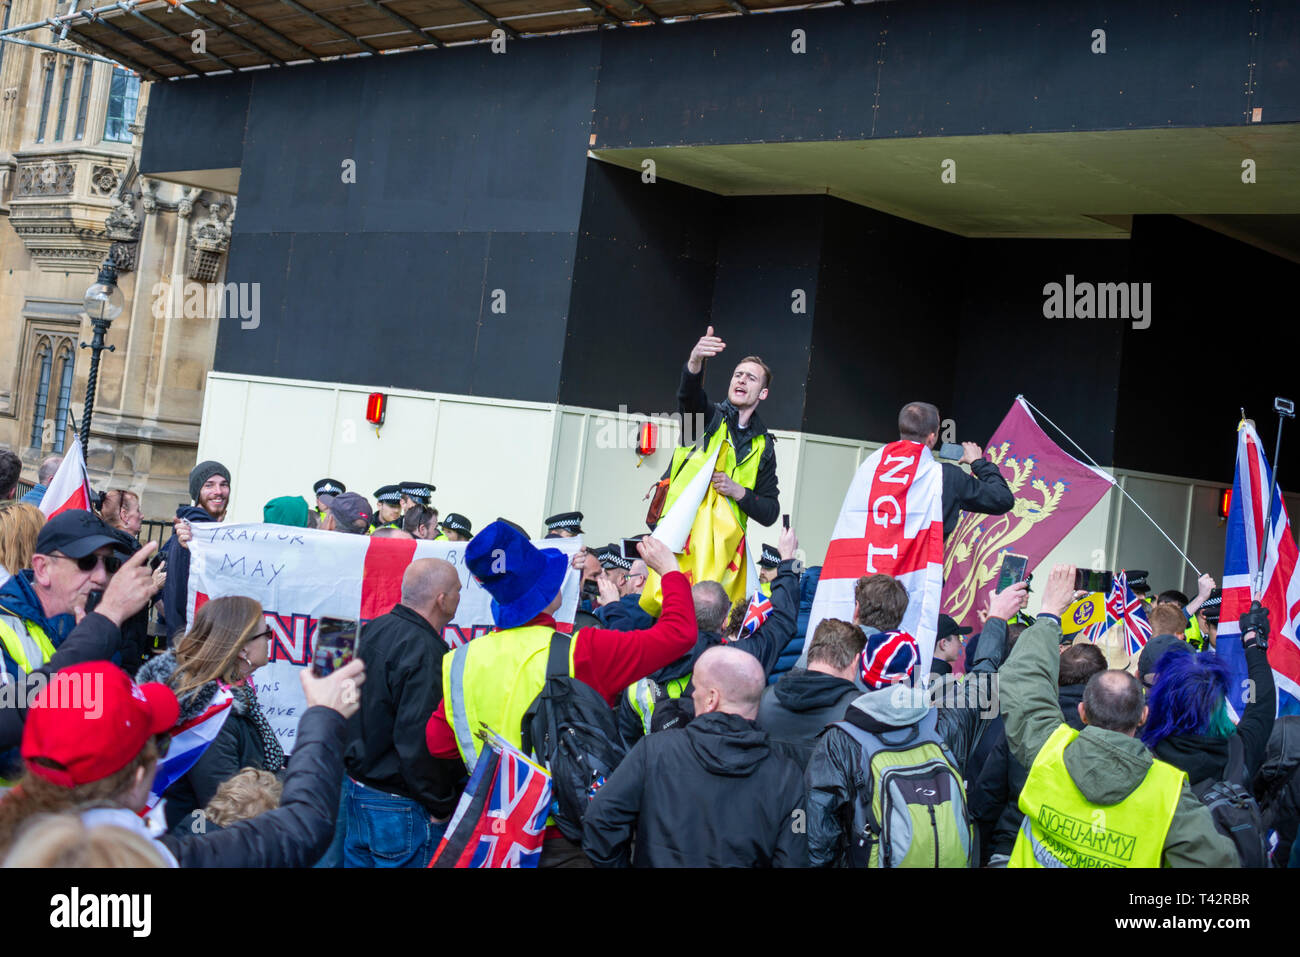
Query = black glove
x=1256 y=620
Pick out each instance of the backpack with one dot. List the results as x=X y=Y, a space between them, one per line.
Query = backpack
x=1235 y=811
x=909 y=806
x=572 y=730
x=1277 y=785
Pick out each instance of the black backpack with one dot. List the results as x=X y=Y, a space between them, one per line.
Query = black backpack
x=572 y=730
x=1235 y=811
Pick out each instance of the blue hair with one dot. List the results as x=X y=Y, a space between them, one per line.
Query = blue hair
x=1189 y=697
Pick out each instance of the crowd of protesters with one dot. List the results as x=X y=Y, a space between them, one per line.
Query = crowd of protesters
x=737 y=739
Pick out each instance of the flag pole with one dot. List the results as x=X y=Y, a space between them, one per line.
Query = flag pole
x=1114 y=484
x=1285 y=409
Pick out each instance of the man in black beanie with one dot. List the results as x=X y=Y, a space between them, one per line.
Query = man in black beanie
x=210 y=493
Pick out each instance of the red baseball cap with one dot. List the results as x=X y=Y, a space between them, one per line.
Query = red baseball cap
x=92 y=720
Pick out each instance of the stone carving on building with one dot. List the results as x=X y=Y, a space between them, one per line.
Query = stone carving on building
x=48 y=178
x=208 y=242
x=103 y=180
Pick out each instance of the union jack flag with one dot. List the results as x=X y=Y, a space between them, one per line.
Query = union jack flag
x=1246 y=519
x=501 y=818
x=760 y=606
x=1123 y=605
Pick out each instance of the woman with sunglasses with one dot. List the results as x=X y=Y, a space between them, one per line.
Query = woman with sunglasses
x=227 y=643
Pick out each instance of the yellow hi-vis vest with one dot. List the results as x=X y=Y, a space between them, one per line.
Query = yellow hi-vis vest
x=643 y=695
x=1062 y=828
x=686 y=463
x=25 y=642
x=492 y=680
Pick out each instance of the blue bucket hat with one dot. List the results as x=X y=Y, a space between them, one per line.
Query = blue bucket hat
x=521 y=578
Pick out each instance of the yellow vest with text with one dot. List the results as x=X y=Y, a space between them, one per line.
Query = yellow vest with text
x=1062 y=828
x=689 y=459
x=492 y=680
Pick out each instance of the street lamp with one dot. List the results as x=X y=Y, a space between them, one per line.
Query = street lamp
x=103 y=303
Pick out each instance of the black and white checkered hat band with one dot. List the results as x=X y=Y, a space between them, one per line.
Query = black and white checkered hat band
x=329 y=489
x=565 y=523
x=391 y=498
x=455 y=526
x=417 y=491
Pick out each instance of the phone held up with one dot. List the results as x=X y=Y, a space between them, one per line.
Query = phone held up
x=336 y=645
x=1085 y=579
x=1014 y=569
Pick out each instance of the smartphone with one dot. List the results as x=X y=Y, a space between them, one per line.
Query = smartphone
x=785 y=521
x=1085 y=579
x=1013 y=570
x=92 y=600
x=336 y=645
x=629 y=548
x=951 y=452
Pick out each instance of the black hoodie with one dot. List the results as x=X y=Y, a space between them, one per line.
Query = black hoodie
x=712 y=794
x=796 y=709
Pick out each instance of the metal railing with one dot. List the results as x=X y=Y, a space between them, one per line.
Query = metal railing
x=155 y=530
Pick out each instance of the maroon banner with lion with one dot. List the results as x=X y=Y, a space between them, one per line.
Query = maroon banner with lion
x=1053 y=492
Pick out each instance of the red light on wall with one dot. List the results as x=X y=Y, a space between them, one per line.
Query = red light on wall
x=375 y=407
x=646 y=439
x=1225 y=503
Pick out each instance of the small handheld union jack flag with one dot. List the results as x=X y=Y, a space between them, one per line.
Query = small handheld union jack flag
x=760 y=606
x=1123 y=604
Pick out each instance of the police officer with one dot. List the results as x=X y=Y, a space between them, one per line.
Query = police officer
x=388 y=501
x=455 y=528
x=415 y=493
x=326 y=486
x=564 y=525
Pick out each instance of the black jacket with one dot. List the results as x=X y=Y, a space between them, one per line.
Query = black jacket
x=993 y=792
x=765 y=644
x=1204 y=756
x=761 y=502
x=386 y=743
x=712 y=794
x=796 y=709
x=176 y=589
x=984 y=490
x=95 y=639
x=299 y=831
x=238 y=745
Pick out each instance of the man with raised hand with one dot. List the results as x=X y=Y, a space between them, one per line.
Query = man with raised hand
x=1096 y=797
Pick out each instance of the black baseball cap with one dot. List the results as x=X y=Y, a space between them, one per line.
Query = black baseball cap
x=76 y=533
x=948 y=627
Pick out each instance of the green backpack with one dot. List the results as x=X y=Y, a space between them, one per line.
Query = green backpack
x=910 y=805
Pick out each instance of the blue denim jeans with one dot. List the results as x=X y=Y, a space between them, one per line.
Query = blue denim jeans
x=385 y=830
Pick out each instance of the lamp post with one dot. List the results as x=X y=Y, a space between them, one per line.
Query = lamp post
x=103 y=303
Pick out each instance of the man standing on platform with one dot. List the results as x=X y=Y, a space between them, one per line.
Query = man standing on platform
x=743 y=484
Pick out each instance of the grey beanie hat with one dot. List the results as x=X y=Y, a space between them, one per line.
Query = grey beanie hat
x=202 y=472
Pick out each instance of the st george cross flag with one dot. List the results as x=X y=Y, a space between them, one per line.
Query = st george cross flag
x=70 y=487
x=1127 y=610
x=501 y=818
x=189 y=741
x=891 y=523
x=1281 y=582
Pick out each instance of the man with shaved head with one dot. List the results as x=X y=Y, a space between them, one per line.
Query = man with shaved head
x=711 y=794
x=398 y=796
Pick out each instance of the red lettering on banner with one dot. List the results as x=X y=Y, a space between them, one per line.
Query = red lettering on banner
x=381 y=579
x=291 y=637
x=884 y=548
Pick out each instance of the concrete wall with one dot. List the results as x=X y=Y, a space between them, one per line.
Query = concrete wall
x=526 y=460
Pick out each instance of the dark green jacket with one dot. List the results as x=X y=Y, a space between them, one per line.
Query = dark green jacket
x=1106 y=766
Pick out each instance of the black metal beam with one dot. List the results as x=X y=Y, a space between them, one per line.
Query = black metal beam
x=421 y=32
x=240 y=17
x=605 y=14
x=241 y=40
x=739 y=7
x=333 y=26
x=147 y=72
x=156 y=51
x=641 y=9
x=176 y=36
x=484 y=15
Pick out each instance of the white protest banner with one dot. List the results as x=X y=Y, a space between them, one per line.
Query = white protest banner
x=300 y=575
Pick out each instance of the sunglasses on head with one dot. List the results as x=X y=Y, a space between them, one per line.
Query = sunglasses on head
x=87 y=563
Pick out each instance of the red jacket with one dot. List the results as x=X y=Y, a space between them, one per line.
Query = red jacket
x=607 y=660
